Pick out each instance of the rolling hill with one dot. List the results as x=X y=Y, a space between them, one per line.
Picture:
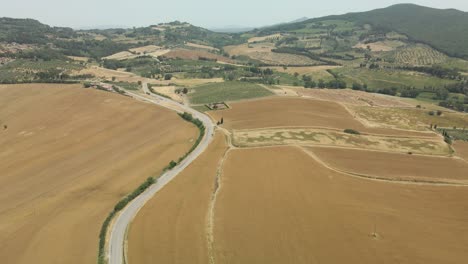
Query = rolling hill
x=444 y=29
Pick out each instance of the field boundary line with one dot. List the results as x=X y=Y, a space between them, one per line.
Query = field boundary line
x=380 y=179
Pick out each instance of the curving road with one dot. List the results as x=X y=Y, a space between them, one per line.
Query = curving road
x=118 y=229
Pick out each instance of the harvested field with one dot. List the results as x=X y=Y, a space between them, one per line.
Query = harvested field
x=171 y=226
x=199 y=46
x=394 y=166
x=265 y=38
x=353 y=97
x=68 y=156
x=388 y=45
x=123 y=55
x=196 y=82
x=76 y=58
x=263 y=53
x=461 y=149
x=188 y=54
x=415 y=119
x=297 y=112
x=278 y=205
x=146 y=49
x=307 y=136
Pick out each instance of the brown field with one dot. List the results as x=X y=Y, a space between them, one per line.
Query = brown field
x=294 y=112
x=263 y=53
x=327 y=137
x=67 y=157
x=278 y=205
x=354 y=97
x=461 y=149
x=414 y=119
x=171 y=226
x=394 y=166
x=187 y=54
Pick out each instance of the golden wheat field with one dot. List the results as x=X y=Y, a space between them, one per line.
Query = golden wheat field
x=68 y=155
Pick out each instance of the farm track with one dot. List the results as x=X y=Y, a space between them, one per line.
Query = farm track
x=118 y=230
x=211 y=208
x=381 y=179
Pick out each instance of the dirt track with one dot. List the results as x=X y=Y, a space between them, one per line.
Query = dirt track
x=171 y=226
x=68 y=155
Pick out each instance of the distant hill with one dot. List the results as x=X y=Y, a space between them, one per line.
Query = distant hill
x=444 y=29
x=30 y=31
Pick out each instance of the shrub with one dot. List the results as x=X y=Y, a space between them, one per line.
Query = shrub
x=351 y=131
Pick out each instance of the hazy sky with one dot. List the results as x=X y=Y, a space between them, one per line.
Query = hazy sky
x=205 y=13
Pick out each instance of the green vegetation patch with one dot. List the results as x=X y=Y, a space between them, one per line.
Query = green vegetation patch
x=226 y=91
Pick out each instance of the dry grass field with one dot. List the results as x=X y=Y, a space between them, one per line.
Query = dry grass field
x=171 y=226
x=414 y=119
x=307 y=136
x=394 y=166
x=353 y=97
x=297 y=112
x=278 y=205
x=68 y=155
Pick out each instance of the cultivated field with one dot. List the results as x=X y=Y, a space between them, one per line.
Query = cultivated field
x=171 y=228
x=278 y=205
x=226 y=91
x=307 y=136
x=418 y=55
x=353 y=97
x=394 y=166
x=297 y=112
x=68 y=155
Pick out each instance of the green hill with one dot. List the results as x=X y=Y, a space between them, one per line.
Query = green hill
x=444 y=29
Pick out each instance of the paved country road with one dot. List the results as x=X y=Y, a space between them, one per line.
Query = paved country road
x=119 y=227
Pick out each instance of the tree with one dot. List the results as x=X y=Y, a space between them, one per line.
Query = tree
x=321 y=84
x=185 y=90
x=113 y=78
x=167 y=76
x=296 y=74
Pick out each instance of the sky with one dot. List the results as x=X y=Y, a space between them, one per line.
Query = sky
x=204 y=13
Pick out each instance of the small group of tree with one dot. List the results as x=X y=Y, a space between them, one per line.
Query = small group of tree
x=220 y=122
x=432 y=113
x=447 y=137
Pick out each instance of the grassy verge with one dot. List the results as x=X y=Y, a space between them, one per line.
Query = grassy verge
x=145 y=185
x=154 y=91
